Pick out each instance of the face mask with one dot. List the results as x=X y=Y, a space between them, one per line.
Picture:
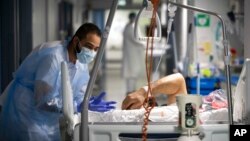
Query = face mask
x=86 y=55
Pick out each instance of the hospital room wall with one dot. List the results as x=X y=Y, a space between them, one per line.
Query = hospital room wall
x=54 y=19
x=44 y=21
x=247 y=30
x=50 y=21
x=205 y=34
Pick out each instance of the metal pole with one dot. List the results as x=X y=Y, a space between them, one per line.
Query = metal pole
x=84 y=135
x=226 y=53
x=183 y=28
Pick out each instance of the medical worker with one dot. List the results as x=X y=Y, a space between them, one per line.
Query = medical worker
x=33 y=103
x=170 y=85
x=133 y=64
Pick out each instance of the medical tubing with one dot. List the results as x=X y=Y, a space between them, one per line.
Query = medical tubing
x=84 y=134
x=226 y=53
x=170 y=22
x=147 y=106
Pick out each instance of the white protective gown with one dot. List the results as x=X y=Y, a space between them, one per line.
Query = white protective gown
x=133 y=63
x=33 y=102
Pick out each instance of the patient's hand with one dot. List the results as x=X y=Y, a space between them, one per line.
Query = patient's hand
x=134 y=100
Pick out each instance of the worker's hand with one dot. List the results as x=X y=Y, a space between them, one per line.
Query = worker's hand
x=96 y=103
x=134 y=100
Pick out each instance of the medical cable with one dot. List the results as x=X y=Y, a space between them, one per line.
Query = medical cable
x=147 y=104
x=171 y=13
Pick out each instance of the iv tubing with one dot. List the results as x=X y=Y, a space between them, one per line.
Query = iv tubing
x=170 y=22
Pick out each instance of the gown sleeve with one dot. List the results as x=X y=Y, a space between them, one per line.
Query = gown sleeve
x=46 y=89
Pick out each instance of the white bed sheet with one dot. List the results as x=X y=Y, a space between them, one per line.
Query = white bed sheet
x=158 y=114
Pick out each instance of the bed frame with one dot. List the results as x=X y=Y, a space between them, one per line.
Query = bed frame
x=156 y=132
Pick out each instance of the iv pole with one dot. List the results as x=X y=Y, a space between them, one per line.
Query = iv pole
x=226 y=53
x=84 y=134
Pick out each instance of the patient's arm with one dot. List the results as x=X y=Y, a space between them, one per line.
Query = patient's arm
x=170 y=85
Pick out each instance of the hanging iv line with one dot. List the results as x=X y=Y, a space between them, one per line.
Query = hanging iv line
x=171 y=13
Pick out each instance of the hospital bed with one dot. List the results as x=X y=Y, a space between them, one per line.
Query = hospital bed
x=211 y=130
x=156 y=132
x=119 y=131
x=126 y=125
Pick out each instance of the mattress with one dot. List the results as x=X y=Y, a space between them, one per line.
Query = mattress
x=158 y=114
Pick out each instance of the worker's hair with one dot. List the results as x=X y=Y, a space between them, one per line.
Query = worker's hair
x=87 y=28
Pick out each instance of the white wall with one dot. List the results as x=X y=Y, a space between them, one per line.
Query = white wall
x=38 y=22
x=206 y=36
x=53 y=20
x=247 y=30
x=44 y=21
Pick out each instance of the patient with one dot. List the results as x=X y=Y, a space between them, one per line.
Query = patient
x=170 y=85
